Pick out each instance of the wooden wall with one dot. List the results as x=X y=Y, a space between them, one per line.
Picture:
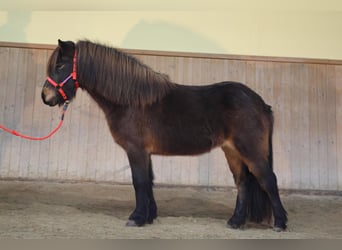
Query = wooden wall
x=306 y=96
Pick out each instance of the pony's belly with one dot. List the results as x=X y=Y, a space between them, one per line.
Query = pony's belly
x=179 y=147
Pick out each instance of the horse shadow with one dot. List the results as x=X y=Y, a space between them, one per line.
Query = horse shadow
x=161 y=35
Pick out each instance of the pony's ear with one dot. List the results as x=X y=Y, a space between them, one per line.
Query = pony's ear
x=67 y=48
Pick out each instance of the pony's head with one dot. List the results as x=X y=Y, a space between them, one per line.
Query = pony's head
x=61 y=83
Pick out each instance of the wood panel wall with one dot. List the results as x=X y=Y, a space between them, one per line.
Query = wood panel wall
x=306 y=96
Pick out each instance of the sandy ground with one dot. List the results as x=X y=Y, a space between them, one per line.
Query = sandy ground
x=50 y=210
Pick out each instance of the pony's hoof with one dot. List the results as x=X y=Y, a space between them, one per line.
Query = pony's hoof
x=234 y=225
x=278 y=229
x=131 y=223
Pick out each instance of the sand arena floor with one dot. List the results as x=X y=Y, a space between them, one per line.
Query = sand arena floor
x=51 y=210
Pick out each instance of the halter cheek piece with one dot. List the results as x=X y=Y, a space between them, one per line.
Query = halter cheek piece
x=59 y=86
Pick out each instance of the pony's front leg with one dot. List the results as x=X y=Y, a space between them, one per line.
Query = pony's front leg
x=140 y=166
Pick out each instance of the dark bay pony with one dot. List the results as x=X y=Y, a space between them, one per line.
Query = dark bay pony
x=149 y=114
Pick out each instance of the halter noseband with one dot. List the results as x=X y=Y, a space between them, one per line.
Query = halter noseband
x=59 y=86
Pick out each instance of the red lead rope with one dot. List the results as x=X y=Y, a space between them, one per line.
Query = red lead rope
x=13 y=132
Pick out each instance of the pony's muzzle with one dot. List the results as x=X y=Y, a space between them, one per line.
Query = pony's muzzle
x=49 y=96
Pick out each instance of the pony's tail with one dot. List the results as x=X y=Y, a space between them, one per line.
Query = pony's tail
x=259 y=206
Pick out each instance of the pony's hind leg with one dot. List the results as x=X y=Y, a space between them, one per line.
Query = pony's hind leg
x=268 y=182
x=152 y=203
x=253 y=141
x=239 y=171
x=146 y=209
x=263 y=187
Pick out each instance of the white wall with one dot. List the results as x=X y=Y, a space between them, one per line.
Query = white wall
x=309 y=29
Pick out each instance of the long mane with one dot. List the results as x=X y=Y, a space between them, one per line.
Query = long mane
x=119 y=77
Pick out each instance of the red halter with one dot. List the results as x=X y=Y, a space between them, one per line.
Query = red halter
x=59 y=86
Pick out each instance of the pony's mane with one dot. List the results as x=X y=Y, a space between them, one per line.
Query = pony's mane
x=119 y=77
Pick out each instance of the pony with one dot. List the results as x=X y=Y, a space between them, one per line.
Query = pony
x=149 y=114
